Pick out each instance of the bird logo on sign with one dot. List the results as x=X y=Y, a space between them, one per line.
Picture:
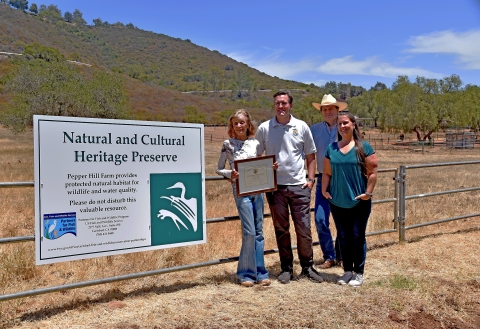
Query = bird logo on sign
x=51 y=227
x=187 y=207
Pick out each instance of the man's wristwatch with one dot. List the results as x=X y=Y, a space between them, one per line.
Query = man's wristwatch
x=369 y=194
x=311 y=180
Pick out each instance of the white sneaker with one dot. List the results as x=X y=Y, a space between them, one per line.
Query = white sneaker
x=345 y=278
x=357 y=280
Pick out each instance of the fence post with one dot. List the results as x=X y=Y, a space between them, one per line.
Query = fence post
x=396 y=203
x=401 y=204
x=423 y=146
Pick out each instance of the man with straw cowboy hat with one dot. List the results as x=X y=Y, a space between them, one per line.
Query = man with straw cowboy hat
x=324 y=133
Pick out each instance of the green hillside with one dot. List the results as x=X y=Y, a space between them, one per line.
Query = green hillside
x=166 y=78
x=155 y=58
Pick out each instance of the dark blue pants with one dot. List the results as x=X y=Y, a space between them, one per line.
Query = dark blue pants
x=322 y=223
x=351 y=226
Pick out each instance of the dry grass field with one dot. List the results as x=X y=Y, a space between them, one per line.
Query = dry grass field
x=431 y=281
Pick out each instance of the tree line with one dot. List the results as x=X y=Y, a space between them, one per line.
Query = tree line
x=53 y=13
x=50 y=11
x=422 y=106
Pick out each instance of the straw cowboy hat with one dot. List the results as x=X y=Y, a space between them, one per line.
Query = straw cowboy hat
x=330 y=100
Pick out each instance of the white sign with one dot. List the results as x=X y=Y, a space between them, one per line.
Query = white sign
x=106 y=187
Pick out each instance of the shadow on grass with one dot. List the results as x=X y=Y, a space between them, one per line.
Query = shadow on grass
x=109 y=296
x=434 y=235
x=116 y=294
x=423 y=237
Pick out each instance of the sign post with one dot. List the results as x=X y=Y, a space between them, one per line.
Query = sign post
x=106 y=187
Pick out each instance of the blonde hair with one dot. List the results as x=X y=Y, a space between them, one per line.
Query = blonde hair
x=251 y=127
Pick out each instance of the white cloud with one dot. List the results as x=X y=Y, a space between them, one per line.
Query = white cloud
x=370 y=66
x=466 y=46
x=242 y=57
x=317 y=82
x=254 y=58
x=284 y=69
x=272 y=65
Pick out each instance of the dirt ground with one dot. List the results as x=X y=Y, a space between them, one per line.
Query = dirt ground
x=430 y=282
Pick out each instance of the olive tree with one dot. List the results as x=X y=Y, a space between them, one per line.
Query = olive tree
x=369 y=104
x=426 y=105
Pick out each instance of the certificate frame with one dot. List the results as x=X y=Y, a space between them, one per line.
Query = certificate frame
x=256 y=175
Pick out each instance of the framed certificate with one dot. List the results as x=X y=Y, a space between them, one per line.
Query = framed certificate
x=256 y=175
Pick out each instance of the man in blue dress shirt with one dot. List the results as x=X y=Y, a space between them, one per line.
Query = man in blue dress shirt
x=325 y=133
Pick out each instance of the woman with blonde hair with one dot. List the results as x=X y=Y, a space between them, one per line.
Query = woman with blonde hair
x=242 y=145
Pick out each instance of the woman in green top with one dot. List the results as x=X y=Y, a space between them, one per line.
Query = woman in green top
x=348 y=180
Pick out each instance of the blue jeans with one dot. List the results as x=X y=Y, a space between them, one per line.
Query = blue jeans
x=322 y=218
x=251 y=263
x=351 y=227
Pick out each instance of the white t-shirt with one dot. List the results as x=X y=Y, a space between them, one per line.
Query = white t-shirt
x=290 y=144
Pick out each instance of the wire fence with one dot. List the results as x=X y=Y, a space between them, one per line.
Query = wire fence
x=451 y=140
x=399 y=225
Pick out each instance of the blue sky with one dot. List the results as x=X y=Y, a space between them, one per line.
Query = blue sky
x=360 y=42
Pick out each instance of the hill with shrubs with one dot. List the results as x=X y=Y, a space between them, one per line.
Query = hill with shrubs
x=164 y=78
